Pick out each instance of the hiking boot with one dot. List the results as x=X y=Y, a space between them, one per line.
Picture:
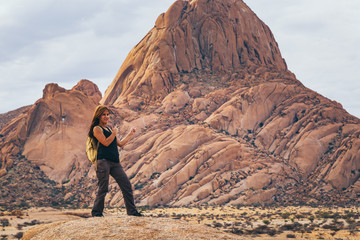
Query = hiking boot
x=136 y=214
x=100 y=215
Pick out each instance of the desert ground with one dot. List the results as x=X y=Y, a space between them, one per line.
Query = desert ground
x=299 y=222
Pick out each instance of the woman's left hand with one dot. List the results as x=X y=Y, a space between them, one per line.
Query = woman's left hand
x=132 y=130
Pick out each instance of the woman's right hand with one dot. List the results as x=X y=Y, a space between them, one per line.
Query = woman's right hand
x=114 y=130
x=132 y=130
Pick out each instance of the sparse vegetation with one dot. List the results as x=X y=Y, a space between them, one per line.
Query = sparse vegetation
x=4 y=222
x=3 y=236
x=271 y=221
x=248 y=222
x=19 y=235
x=285 y=215
x=266 y=221
x=139 y=186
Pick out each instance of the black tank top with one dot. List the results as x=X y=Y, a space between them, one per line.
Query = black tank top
x=110 y=152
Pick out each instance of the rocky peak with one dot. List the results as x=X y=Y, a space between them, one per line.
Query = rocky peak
x=50 y=90
x=223 y=35
x=217 y=36
x=88 y=88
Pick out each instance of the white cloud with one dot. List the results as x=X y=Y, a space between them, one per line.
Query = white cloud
x=319 y=41
x=47 y=41
x=64 y=41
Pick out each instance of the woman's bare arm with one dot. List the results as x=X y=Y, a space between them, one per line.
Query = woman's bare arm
x=99 y=134
x=123 y=141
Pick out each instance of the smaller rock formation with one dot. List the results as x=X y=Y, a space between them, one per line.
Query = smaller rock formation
x=5 y=118
x=50 y=131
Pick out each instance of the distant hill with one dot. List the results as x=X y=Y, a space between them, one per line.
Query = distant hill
x=5 y=118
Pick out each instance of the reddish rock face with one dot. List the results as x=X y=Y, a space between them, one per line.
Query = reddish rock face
x=211 y=36
x=219 y=118
x=53 y=130
x=212 y=70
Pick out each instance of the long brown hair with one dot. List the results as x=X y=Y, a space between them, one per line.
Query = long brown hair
x=96 y=118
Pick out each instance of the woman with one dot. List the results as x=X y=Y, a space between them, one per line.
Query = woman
x=108 y=162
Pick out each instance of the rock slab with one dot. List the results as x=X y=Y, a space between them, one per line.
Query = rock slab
x=125 y=227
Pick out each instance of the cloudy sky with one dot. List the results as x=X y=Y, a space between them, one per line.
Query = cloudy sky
x=51 y=41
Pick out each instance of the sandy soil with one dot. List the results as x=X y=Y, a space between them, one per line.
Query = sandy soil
x=248 y=222
x=21 y=221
